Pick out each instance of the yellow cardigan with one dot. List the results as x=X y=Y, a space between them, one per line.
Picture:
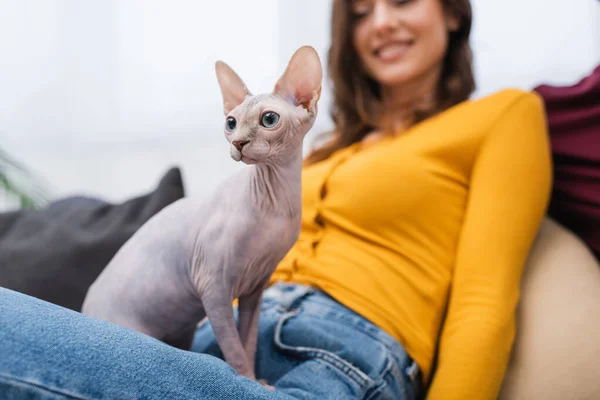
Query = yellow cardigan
x=426 y=235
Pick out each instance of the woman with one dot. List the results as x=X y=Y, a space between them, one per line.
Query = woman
x=418 y=216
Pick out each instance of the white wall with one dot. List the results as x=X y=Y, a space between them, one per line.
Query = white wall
x=526 y=43
x=303 y=22
x=100 y=97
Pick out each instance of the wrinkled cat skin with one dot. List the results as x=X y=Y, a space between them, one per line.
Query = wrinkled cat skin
x=195 y=256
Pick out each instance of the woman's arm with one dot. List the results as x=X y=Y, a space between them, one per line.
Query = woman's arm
x=508 y=196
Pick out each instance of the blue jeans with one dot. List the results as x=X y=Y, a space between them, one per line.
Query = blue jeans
x=310 y=347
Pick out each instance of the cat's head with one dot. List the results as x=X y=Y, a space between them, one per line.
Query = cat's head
x=271 y=126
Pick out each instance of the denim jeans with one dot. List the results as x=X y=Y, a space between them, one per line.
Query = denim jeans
x=310 y=347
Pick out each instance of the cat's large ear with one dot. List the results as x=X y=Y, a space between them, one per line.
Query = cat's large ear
x=301 y=81
x=233 y=88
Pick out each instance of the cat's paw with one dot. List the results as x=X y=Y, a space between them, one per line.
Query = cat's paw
x=265 y=384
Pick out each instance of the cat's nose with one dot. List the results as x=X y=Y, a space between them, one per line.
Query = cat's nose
x=239 y=144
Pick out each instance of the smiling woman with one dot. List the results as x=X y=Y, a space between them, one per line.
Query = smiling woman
x=437 y=263
x=433 y=80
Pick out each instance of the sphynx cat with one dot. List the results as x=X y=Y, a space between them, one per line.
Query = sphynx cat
x=192 y=259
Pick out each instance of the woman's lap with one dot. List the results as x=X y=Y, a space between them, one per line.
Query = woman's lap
x=310 y=346
x=307 y=349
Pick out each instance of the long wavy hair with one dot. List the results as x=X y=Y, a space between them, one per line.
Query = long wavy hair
x=357 y=97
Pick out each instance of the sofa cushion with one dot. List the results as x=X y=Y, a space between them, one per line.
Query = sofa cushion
x=556 y=353
x=55 y=253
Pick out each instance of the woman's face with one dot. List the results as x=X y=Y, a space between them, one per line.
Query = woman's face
x=399 y=41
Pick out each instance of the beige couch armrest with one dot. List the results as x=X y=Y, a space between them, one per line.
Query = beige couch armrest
x=557 y=350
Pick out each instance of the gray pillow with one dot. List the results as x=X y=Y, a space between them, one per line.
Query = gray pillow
x=56 y=253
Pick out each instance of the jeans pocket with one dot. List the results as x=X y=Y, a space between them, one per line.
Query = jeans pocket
x=359 y=358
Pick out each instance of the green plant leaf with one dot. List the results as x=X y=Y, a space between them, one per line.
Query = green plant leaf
x=17 y=183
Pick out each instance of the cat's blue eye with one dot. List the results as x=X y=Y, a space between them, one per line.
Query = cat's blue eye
x=269 y=119
x=230 y=124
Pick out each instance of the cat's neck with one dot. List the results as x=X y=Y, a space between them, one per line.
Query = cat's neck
x=277 y=187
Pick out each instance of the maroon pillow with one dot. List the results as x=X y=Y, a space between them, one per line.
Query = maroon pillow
x=574 y=123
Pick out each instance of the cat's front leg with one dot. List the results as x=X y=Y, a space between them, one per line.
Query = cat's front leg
x=248 y=321
x=217 y=303
x=249 y=311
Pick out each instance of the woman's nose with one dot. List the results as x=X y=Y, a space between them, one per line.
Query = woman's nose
x=384 y=19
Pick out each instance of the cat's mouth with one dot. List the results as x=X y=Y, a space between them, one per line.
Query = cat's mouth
x=249 y=160
x=238 y=156
x=252 y=153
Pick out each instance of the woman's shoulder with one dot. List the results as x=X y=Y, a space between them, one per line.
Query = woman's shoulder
x=486 y=112
x=506 y=98
x=507 y=102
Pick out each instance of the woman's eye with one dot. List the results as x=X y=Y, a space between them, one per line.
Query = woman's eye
x=269 y=119
x=230 y=124
x=361 y=8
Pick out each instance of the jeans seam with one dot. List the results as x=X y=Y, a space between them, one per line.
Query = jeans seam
x=395 y=368
x=381 y=379
x=340 y=315
x=351 y=371
x=39 y=387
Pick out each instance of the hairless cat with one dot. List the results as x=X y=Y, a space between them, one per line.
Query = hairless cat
x=192 y=259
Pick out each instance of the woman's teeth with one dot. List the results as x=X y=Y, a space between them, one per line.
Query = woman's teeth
x=392 y=51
